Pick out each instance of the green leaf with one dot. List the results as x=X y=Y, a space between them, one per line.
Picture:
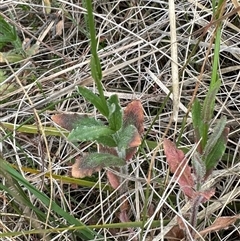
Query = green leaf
x=214 y=137
x=87 y=121
x=209 y=102
x=10 y=57
x=216 y=152
x=67 y=121
x=199 y=168
x=94 y=160
x=115 y=113
x=207 y=110
x=106 y=141
x=8 y=34
x=125 y=136
x=196 y=114
x=94 y=99
x=197 y=119
x=89 y=133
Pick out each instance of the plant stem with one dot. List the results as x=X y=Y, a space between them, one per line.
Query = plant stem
x=193 y=218
x=96 y=67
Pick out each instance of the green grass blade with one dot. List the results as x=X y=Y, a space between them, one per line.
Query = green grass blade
x=86 y=233
x=33 y=129
x=21 y=194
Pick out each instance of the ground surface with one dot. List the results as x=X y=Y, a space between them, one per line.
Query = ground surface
x=135 y=52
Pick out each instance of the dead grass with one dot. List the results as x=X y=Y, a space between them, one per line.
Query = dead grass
x=134 y=37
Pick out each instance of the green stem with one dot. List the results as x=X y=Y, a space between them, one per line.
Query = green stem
x=95 y=62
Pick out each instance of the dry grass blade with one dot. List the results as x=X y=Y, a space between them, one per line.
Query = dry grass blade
x=135 y=46
x=174 y=62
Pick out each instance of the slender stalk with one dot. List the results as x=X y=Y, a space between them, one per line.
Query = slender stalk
x=95 y=62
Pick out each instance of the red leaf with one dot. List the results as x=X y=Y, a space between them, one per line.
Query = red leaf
x=174 y=234
x=133 y=115
x=67 y=121
x=94 y=162
x=130 y=152
x=124 y=210
x=106 y=149
x=178 y=165
x=124 y=217
x=113 y=180
x=219 y=224
x=79 y=172
x=136 y=140
x=206 y=194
